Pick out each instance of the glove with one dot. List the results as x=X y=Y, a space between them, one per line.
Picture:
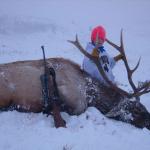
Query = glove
x=95 y=53
x=118 y=57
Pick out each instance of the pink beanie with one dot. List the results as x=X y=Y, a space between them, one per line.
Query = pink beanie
x=98 y=31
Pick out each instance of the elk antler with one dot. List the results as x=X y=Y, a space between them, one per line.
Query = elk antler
x=99 y=66
x=137 y=91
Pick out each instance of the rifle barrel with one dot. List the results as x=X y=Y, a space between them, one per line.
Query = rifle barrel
x=44 y=58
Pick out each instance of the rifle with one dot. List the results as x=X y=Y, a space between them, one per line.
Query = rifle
x=51 y=100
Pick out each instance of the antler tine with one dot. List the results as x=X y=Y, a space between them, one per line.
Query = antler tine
x=113 y=45
x=78 y=45
x=141 y=93
x=121 y=41
x=123 y=53
x=119 y=48
x=77 y=41
x=74 y=42
x=137 y=65
x=129 y=71
x=145 y=86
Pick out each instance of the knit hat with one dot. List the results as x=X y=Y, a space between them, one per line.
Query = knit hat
x=99 y=32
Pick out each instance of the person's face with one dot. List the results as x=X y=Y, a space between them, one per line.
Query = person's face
x=99 y=42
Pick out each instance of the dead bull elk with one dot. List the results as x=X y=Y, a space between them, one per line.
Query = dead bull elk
x=20 y=89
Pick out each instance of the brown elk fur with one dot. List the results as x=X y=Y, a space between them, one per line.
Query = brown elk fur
x=20 y=84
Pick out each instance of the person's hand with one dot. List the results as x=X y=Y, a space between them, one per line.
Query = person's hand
x=118 y=57
x=95 y=52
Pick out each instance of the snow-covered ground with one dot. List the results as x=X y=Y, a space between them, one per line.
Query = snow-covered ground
x=25 y=25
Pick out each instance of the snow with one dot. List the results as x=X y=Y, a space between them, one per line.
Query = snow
x=25 y=25
x=91 y=131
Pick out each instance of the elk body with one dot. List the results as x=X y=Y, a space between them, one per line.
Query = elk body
x=20 y=84
x=20 y=89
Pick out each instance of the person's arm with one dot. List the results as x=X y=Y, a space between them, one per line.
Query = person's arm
x=118 y=57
